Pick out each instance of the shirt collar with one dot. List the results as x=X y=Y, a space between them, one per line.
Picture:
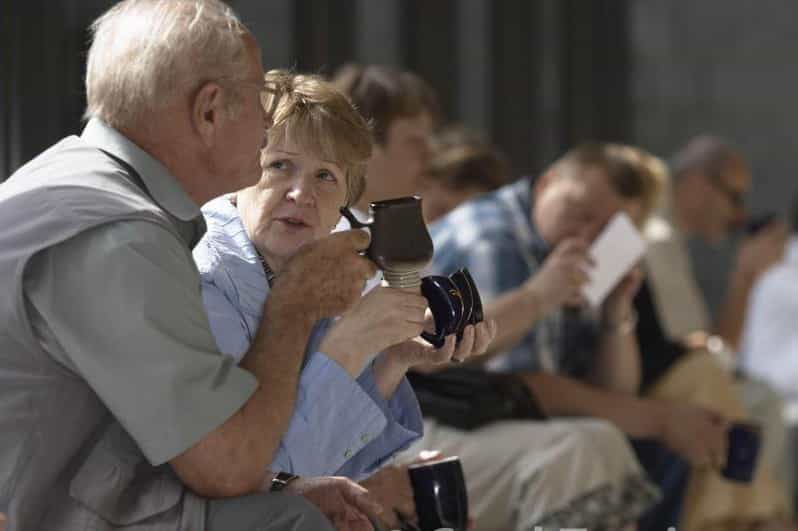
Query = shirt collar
x=161 y=184
x=791 y=254
x=522 y=194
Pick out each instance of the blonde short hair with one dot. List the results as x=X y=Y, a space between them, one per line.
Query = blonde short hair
x=145 y=53
x=310 y=112
x=633 y=172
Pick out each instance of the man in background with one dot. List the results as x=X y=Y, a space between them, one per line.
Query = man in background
x=706 y=208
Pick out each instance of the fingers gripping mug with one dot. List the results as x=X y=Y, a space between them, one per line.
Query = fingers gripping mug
x=401 y=247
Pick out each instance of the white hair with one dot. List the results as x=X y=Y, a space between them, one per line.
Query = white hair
x=145 y=53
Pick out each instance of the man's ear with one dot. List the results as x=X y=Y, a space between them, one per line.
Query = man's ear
x=207 y=112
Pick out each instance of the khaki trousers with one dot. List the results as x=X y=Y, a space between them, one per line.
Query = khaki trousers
x=712 y=501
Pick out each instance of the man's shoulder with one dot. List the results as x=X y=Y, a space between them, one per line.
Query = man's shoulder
x=68 y=159
x=78 y=181
x=485 y=218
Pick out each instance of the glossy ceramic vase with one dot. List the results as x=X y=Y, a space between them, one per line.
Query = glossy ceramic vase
x=400 y=243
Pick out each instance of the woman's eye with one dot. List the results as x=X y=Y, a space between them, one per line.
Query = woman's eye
x=328 y=176
x=278 y=165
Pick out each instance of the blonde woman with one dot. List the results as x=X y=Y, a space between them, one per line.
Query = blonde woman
x=354 y=407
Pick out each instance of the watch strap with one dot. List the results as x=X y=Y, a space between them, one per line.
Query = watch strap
x=281 y=481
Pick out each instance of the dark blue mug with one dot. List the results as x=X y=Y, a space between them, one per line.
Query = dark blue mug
x=439 y=491
x=454 y=302
x=744 y=443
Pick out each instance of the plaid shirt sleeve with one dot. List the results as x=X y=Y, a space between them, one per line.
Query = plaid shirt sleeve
x=480 y=237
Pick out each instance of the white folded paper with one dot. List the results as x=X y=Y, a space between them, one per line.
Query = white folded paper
x=615 y=251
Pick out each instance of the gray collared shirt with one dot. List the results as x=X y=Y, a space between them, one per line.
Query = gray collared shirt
x=118 y=307
x=140 y=336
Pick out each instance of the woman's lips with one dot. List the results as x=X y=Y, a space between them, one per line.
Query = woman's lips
x=297 y=223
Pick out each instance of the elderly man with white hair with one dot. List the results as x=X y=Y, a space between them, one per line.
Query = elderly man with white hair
x=116 y=408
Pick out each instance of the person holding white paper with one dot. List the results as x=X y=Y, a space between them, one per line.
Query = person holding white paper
x=527 y=247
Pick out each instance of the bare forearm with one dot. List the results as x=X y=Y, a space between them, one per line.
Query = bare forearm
x=561 y=396
x=388 y=375
x=233 y=460
x=618 y=363
x=516 y=312
x=275 y=359
x=731 y=317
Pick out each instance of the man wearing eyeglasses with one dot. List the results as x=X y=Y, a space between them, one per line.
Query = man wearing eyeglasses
x=710 y=182
x=701 y=282
x=117 y=409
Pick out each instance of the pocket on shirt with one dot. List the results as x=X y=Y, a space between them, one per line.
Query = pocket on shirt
x=118 y=484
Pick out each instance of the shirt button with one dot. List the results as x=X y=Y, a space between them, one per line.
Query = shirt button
x=365 y=438
x=348 y=453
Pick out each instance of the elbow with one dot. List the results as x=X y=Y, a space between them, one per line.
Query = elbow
x=209 y=475
x=226 y=485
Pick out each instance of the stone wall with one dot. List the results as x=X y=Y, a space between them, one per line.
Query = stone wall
x=722 y=66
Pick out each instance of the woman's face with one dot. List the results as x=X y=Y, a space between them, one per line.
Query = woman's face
x=295 y=202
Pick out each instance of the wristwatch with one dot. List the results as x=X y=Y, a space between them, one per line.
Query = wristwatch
x=281 y=480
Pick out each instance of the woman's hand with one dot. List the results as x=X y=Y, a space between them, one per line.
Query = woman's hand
x=419 y=354
x=391 y=367
x=383 y=317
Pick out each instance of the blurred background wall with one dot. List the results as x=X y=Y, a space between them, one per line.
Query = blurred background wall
x=536 y=75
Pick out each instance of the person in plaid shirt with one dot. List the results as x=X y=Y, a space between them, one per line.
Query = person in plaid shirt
x=527 y=248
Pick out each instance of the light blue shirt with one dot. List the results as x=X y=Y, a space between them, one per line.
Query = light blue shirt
x=340 y=426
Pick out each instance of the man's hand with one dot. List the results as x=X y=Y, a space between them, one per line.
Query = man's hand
x=383 y=317
x=695 y=433
x=760 y=251
x=2 y=522
x=562 y=275
x=391 y=487
x=326 y=277
x=346 y=504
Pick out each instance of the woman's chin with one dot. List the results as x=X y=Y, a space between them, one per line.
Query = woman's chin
x=287 y=248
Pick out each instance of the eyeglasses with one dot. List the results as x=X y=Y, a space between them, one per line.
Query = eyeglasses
x=735 y=197
x=268 y=93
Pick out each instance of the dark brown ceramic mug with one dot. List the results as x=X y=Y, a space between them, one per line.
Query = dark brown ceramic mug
x=400 y=244
x=401 y=247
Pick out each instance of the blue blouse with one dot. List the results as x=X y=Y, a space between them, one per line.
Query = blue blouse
x=340 y=426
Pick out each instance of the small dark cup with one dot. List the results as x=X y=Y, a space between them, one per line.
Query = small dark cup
x=446 y=305
x=744 y=444
x=463 y=280
x=439 y=491
x=466 y=295
x=454 y=302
